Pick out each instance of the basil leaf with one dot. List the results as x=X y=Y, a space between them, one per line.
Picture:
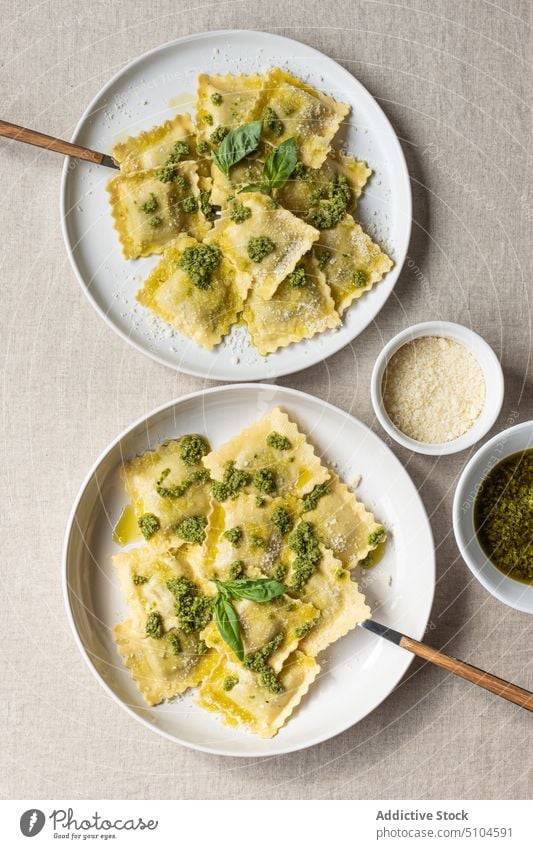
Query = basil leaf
x=228 y=625
x=237 y=144
x=254 y=187
x=260 y=590
x=280 y=164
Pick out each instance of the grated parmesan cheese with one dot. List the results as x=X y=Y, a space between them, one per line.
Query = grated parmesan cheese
x=433 y=389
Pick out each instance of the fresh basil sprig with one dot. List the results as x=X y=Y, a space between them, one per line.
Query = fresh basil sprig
x=237 y=144
x=277 y=169
x=229 y=627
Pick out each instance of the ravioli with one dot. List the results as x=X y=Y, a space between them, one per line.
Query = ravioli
x=346 y=526
x=296 y=311
x=297 y=110
x=338 y=600
x=152 y=148
x=249 y=702
x=355 y=262
x=165 y=467
x=225 y=101
x=148 y=212
x=203 y=314
x=287 y=239
x=295 y=470
x=300 y=192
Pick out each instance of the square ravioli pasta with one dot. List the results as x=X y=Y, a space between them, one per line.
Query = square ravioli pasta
x=240 y=697
x=346 y=526
x=292 y=109
x=351 y=261
x=306 y=186
x=160 y=643
x=271 y=458
x=168 y=143
x=201 y=305
x=167 y=486
x=150 y=210
x=300 y=308
x=266 y=245
x=225 y=101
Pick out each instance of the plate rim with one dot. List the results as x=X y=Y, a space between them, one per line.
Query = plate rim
x=144 y=349
x=201 y=393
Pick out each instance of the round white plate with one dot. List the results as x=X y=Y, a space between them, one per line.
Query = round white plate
x=358 y=671
x=152 y=89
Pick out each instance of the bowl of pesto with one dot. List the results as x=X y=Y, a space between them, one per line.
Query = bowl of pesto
x=493 y=516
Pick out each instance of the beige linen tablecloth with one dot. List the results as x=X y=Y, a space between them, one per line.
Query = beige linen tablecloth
x=454 y=79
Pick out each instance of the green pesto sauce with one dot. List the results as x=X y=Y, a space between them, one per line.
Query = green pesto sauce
x=180 y=151
x=360 y=278
x=203 y=147
x=277 y=440
x=208 y=209
x=279 y=572
x=302 y=630
x=373 y=557
x=260 y=501
x=192 y=529
x=232 y=482
x=272 y=121
x=323 y=259
x=216 y=98
x=304 y=543
x=297 y=278
x=149 y=525
x=178 y=490
x=200 y=263
x=239 y=213
x=265 y=481
x=169 y=174
x=310 y=501
x=139 y=579
x=193 y=609
x=229 y=683
x=282 y=520
x=218 y=135
x=208 y=119
x=257 y=662
x=189 y=204
x=236 y=570
x=259 y=247
x=302 y=172
x=151 y=204
x=378 y=536
x=234 y=535
x=154 y=625
x=193 y=448
x=503 y=516
x=174 y=642
x=332 y=203
x=156 y=221
x=257 y=541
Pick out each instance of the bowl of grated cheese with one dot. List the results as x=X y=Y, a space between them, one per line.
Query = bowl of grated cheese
x=437 y=388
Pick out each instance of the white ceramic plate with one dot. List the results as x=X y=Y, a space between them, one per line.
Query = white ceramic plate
x=360 y=670
x=152 y=89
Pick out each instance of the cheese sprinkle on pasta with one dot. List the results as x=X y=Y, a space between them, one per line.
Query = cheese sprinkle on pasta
x=433 y=389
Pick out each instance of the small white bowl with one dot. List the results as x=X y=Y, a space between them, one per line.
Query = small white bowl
x=512 y=593
x=486 y=358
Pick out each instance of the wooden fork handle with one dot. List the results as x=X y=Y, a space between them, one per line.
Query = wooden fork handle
x=13 y=131
x=471 y=673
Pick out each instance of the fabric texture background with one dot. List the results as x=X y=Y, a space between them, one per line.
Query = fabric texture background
x=454 y=79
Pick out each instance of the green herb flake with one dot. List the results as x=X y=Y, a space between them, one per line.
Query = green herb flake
x=265 y=481
x=154 y=625
x=277 y=440
x=259 y=247
x=156 y=221
x=310 y=501
x=192 y=529
x=200 y=263
x=208 y=119
x=139 y=579
x=216 y=98
x=149 y=525
x=360 y=278
x=193 y=609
